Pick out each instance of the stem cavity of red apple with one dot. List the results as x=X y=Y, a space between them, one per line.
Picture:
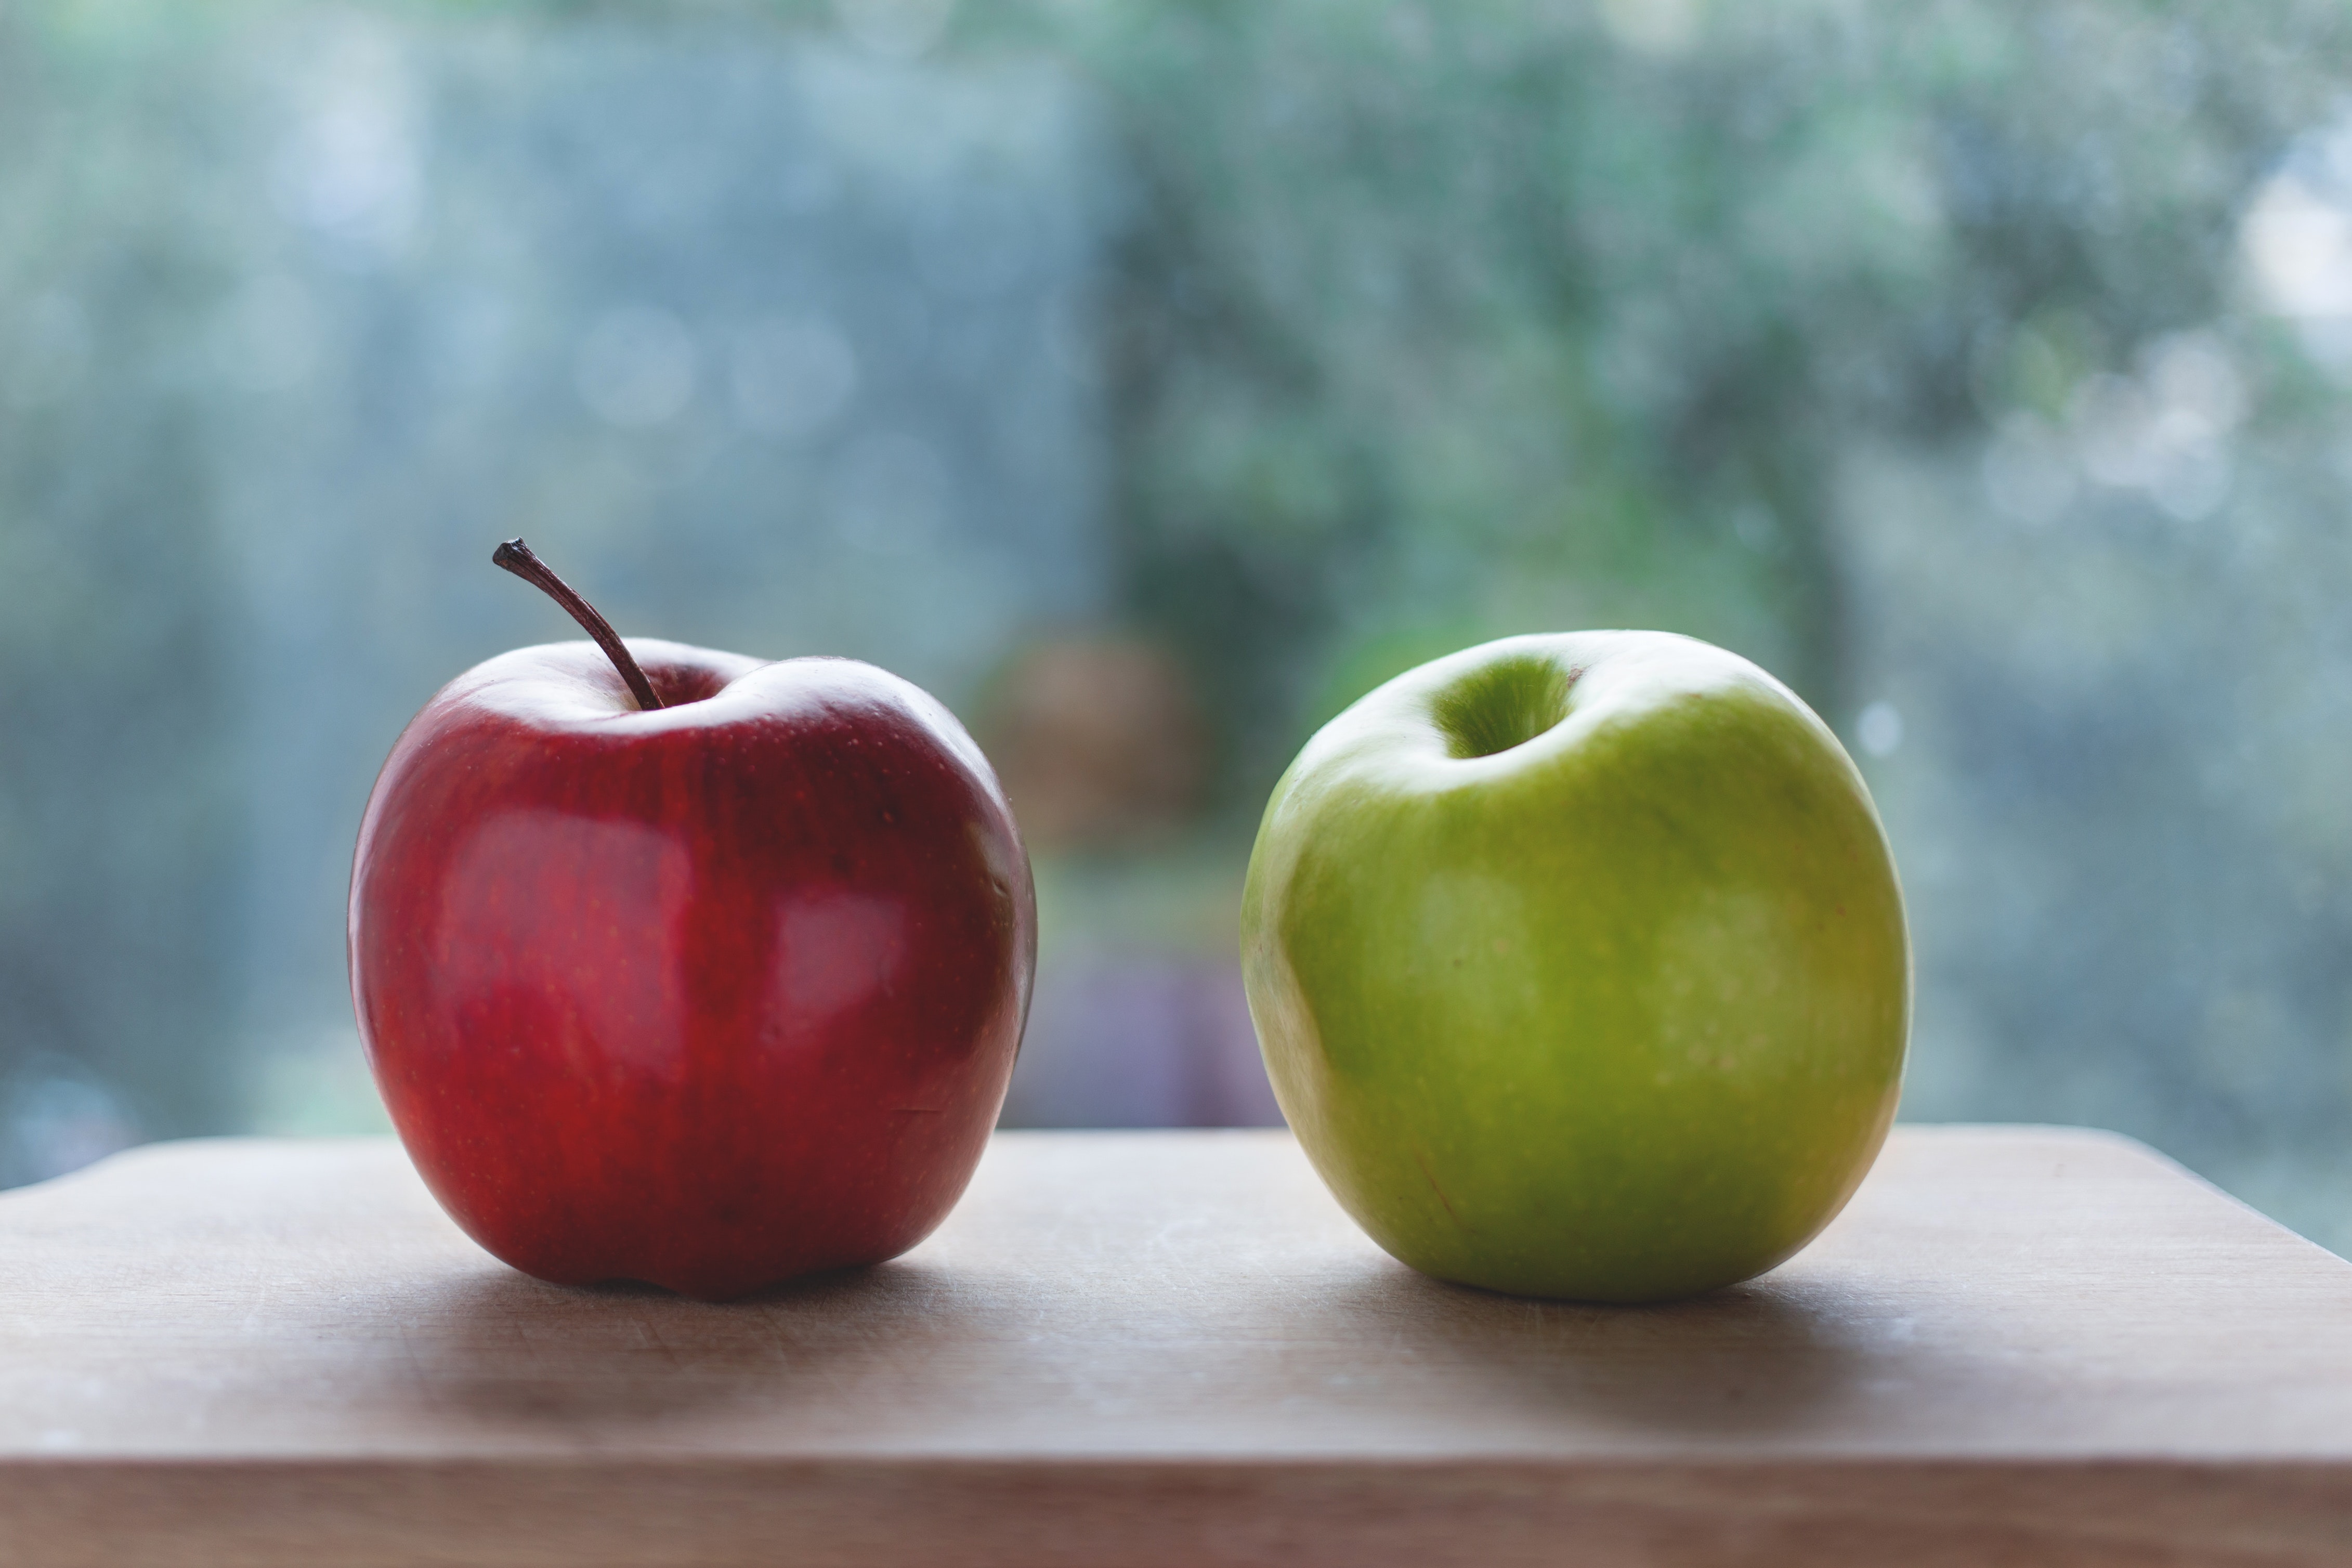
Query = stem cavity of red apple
x=517 y=557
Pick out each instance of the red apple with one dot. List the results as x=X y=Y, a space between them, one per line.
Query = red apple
x=709 y=995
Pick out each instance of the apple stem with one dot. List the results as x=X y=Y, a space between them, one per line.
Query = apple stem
x=517 y=557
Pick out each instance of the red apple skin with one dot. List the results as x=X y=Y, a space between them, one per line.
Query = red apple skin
x=708 y=997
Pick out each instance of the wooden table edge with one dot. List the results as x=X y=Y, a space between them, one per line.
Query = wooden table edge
x=1131 y=1512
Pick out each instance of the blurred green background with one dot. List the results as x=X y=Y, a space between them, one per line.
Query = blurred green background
x=1150 y=380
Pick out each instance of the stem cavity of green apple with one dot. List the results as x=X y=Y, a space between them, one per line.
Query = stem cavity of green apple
x=1505 y=704
x=517 y=557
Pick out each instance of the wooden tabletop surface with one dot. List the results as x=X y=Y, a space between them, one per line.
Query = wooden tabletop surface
x=2017 y=1346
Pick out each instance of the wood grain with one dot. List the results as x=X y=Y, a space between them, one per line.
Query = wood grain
x=2019 y=1346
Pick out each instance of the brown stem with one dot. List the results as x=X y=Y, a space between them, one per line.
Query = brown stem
x=517 y=557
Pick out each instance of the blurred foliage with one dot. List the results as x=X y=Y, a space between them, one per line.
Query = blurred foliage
x=1911 y=350
x=117 y=835
x=1436 y=323
x=1433 y=322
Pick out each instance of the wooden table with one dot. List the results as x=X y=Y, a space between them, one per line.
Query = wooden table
x=2019 y=1346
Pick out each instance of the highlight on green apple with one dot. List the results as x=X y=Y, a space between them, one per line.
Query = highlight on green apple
x=1580 y=965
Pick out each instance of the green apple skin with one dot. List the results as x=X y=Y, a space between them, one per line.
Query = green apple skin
x=1579 y=966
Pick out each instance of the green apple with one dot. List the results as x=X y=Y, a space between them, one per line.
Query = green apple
x=1579 y=966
